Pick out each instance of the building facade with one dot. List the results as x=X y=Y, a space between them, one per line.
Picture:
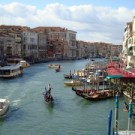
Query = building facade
x=30 y=44
x=128 y=50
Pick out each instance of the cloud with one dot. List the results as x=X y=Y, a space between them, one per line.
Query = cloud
x=92 y=23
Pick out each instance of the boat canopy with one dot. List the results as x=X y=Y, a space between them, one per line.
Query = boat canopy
x=11 y=67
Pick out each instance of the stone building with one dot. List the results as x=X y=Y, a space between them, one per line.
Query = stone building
x=42 y=47
x=13 y=32
x=128 y=48
x=61 y=42
x=30 y=44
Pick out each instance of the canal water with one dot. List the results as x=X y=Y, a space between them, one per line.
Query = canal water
x=71 y=115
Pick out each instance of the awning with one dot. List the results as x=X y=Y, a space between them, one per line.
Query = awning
x=114 y=76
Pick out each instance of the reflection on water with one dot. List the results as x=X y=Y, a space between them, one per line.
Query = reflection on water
x=50 y=107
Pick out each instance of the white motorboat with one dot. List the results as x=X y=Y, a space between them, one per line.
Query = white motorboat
x=24 y=64
x=74 y=83
x=4 y=105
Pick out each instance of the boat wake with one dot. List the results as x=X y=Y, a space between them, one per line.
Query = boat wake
x=16 y=102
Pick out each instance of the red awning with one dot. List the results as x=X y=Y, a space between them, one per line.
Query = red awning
x=113 y=69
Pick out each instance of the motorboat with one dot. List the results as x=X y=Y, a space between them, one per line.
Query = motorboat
x=74 y=83
x=53 y=66
x=24 y=64
x=4 y=105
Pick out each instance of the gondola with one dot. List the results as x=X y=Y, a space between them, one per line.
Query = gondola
x=48 y=97
x=58 y=69
x=92 y=94
x=99 y=95
x=81 y=92
x=68 y=76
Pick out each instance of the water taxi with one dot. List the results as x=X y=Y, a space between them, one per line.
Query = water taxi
x=11 y=71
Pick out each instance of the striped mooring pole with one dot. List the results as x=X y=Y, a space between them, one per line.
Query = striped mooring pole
x=116 y=115
x=129 y=115
x=109 y=123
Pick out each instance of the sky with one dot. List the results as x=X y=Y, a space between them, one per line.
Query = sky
x=93 y=20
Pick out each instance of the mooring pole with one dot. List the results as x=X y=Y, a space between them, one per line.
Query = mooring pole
x=116 y=115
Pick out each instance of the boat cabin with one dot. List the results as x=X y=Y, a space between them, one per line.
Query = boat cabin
x=10 y=71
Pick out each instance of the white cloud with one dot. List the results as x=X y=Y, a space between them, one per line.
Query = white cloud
x=92 y=23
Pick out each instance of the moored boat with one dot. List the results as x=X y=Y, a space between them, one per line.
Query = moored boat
x=4 y=105
x=80 y=92
x=92 y=94
x=99 y=95
x=74 y=83
x=68 y=76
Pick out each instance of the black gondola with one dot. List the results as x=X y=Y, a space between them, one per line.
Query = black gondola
x=47 y=96
x=68 y=76
x=92 y=94
x=58 y=69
